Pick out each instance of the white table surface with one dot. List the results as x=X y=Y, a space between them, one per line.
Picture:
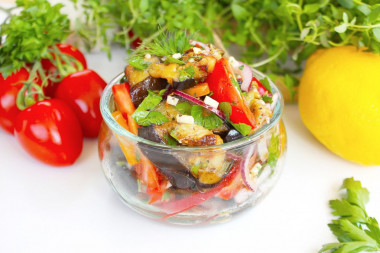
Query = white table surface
x=73 y=209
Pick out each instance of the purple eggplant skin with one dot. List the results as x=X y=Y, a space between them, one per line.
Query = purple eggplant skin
x=177 y=174
x=185 y=84
x=140 y=90
x=149 y=133
x=232 y=135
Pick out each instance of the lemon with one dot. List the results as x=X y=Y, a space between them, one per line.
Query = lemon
x=339 y=102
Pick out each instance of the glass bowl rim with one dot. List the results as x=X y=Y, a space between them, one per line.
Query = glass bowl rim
x=247 y=140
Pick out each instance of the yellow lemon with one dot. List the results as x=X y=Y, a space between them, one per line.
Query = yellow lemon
x=339 y=102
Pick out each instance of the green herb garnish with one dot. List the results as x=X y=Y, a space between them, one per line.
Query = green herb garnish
x=226 y=108
x=195 y=169
x=138 y=63
x=266 y=84
x=170 y=140
x=236 y=84
x=267 y=99
x=143 y=114
x=184 y=108
x=170 y=59
x=165 y=45
x=274 y=150
x=205 y=118
x=29 y=35
x=243 y=128
x=354 y=229
x=186 y=73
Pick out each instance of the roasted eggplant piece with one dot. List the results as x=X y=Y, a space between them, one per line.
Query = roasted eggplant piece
x=185 y=84
x=177 y=174
x=195 y=135
x=233 y=135
x=140 y=90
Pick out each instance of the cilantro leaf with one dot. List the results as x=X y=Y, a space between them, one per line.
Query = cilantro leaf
x=143 y=114
x=236 y=84
x=205 y=118
x=184 y=108
x=138 y=63
x=354 y=229
x=170 y=140
x=267 y=99
x=274 y=150
x=152 y=117
x=266 y=84
x=186 y=73
x=226 y=108
x=243 y=128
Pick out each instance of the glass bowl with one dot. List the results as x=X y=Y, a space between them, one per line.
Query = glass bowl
x=246 y=169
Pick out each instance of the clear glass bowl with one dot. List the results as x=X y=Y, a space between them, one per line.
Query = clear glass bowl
x=248 y=168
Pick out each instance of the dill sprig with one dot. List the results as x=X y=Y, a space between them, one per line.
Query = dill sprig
x=165 y=45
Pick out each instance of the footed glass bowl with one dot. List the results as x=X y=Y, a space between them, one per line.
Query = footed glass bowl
x=158 y=180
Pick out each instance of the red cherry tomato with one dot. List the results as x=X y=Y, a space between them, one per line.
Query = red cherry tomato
x=82 y=91
x=52 y=70
x=9 y=89
x=50 y=131
x=224 y=91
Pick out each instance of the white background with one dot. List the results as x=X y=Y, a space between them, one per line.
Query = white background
x=73 y=209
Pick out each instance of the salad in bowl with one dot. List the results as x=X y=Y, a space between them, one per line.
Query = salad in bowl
x=190 y=136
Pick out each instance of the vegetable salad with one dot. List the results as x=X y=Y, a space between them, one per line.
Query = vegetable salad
x=180 y=92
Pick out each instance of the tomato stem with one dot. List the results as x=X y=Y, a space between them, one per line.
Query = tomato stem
x=31 y=92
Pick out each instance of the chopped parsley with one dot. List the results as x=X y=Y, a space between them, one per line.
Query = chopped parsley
x=243 y=128
x=143 y=114
x=274 y=150
x=138 y=63
x=266 y=84
x=205 y=118
x=184 y=108
x=186 y=73
x=267 y=99
x=236 y=84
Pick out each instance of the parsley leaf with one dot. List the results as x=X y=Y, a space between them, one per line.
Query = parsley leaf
x=205 y=118
x=274 y=150
x=267 y=99
x=138 y=63
x=170 y=140
x=226 y=108
x=266 y=84
x=184 y=108
x=143 y=114
x=354 y=229
x=186 y=73
x=237 y=85
x=243 y=128
x=170 y=59
x=152 y=117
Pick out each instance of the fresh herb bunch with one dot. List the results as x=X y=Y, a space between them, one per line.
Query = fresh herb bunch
x=271 y=32
x=165 y=44
x=29 y=35
x=355 y=230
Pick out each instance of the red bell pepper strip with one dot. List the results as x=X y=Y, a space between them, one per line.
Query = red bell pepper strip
x=181 y=205
x=224 y=90
x=232 y=189
x=260 y=88
x=145 y=170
